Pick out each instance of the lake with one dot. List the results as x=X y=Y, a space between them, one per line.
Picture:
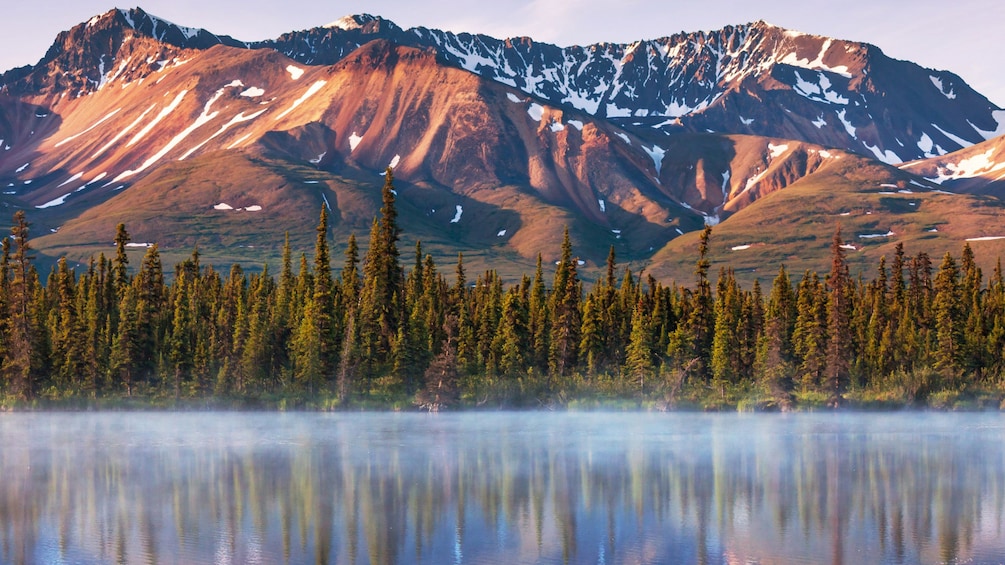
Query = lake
x=501 y=488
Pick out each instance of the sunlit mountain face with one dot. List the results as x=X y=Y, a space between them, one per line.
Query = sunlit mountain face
x=191 y=138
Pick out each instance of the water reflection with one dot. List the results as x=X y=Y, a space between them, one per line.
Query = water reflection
x=501 y=488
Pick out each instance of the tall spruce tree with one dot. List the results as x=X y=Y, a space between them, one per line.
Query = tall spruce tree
x=316 y=341
x=776 y=350
x=381 y=300
x=839 y=308
x=701 y=322
x=565 y=308
x=17 y=363
x=948 y=323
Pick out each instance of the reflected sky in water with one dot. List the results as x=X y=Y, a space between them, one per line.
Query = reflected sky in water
x=501 y=488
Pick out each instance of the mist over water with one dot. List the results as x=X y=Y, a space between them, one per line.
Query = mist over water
x=501 y=488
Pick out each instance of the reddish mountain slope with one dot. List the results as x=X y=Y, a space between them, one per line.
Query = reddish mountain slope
x=194 y=139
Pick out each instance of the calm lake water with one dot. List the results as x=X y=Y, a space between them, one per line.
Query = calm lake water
x=501 y=488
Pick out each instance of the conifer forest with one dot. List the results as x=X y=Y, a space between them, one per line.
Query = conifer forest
x=389 y=333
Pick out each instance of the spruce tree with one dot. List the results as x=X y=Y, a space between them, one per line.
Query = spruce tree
x=513 y=335
x=565 y=322
x=591 y=345
x=181 y=338
x=315 y=344
x=948 y=326
x=726 y=338
x=810 y=330
x=639 y=355
x=701 y=322
x=839 y=307
x=539 y=320
x=120 y=266
x=776 y=349
x=17 y=364
x=381 y=301
x=350 y=284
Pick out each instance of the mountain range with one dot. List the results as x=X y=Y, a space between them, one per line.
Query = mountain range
x=779 y=137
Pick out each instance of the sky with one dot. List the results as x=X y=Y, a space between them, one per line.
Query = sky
x=964 y=36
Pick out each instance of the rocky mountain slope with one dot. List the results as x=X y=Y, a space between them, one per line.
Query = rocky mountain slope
x=753 y=79
x=193 y=138
x=979 y=169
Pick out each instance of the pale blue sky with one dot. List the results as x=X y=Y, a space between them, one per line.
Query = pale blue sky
x=964 y=36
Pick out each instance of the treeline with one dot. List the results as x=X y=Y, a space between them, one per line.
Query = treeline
x=381 y=334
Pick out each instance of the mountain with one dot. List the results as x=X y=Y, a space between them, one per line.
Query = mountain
x=876 y=206
x=754 y=79
x=191 y=138
x=86 y=57
x=979 y=169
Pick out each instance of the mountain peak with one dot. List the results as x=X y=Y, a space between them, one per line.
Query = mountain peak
x=350 y=22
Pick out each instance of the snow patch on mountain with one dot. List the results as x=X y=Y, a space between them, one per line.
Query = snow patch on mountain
x=576 y=124
x=793 y=60
x=938 y=84
x=999 y=117
x=513 y=98
x=96 y=124
x=203 y=118
x=157 y=119
x=345 y=23
x=354 y=141
x=777 y=150
x=110 y=75
x=819 y=91
x=123 y=133
x=959 y=140
x=69 y=180
x=55 y=202
x=926 y=144
x=295 y=72
x=847 y=124
x=253 y=92
x=536 y=112
x=239 y=141
x=982 y=164
x=656 y=154
x=677 y=109
x=752 y=181
x=888 y=156
x=314 y=88
x=457 y=215
x=240 y=118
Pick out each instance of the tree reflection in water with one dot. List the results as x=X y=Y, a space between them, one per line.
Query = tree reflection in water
x=501 y=488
